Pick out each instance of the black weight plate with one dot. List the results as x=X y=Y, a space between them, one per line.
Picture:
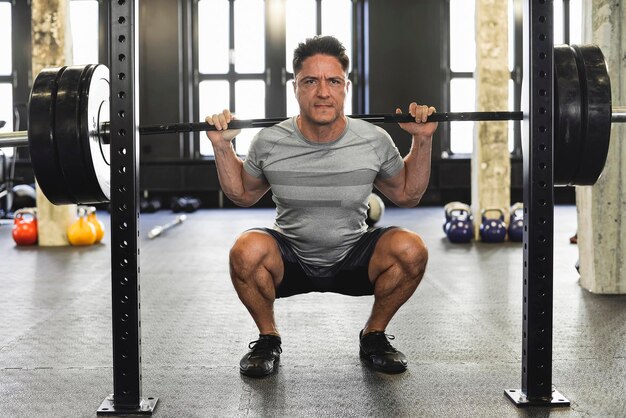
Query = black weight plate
x=73 y=135
x=596 y=112
x=567 y=116
x=41 y=136
x=94 y=104
x=68 y=133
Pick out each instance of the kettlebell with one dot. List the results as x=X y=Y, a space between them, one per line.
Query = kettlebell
x=81 y=232
x=516 y=223
x=459 y=223
x=492 y=229
x=25 y=226
x=97 y=224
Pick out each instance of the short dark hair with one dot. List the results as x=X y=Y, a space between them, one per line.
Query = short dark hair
x=325 y=45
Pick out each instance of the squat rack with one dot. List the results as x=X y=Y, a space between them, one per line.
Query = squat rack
x=538 y=166
x=537 y=321
x=124 y=158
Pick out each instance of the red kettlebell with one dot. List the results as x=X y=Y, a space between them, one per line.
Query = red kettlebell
x=25 y=227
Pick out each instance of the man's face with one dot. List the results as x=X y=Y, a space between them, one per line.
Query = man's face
x=321 y=88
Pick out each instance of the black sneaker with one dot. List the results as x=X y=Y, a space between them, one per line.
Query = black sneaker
x=263 y=357
x=378 y=354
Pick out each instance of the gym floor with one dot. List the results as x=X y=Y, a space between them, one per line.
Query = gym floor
x=461 y=331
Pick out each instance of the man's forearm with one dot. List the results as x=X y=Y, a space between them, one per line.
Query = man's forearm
x=229 y=168
x=417 y=169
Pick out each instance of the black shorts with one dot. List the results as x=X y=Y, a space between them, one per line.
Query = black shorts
x=348 y=277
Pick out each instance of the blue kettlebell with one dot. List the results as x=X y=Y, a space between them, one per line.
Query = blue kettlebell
x=492 y=228
x=516 y=223
x=459 y=226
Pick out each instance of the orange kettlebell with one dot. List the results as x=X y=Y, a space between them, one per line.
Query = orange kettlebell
x=81 y=232
x=97 y=224
x=24 y=229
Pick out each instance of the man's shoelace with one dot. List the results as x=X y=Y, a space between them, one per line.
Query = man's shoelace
x=264 y=345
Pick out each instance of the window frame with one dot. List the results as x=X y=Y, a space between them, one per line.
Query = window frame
x=515 y=76
x=275 y=76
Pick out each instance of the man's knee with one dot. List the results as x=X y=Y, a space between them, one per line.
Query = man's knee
x=408 y=251
x=253 y=250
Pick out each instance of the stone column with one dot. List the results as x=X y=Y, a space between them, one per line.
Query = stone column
x=601 y=233
x=50 y=36
x=491 y=162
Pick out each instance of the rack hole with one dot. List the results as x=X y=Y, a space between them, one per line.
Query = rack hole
x=122 y=151
x=121 y=76
x=121 y=94
x=121 y=114
x=121 y=38
x=121 y=20
x=121 y=132
x=121 y=57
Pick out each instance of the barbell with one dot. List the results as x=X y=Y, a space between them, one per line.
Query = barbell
x=69 y=139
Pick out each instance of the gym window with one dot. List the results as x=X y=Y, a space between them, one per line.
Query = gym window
x=84 y=26
x=6 y=71
x=462 y=61
x=244 y=50
x=461 y=82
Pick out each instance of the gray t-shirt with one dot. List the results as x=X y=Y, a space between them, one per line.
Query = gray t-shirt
x=321 y=190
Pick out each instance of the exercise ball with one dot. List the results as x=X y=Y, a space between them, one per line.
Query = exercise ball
x=375 y=209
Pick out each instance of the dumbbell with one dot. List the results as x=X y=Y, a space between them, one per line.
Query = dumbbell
x=459 y=225
x=149 y=205
x=492 y=229
x=185 y=204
